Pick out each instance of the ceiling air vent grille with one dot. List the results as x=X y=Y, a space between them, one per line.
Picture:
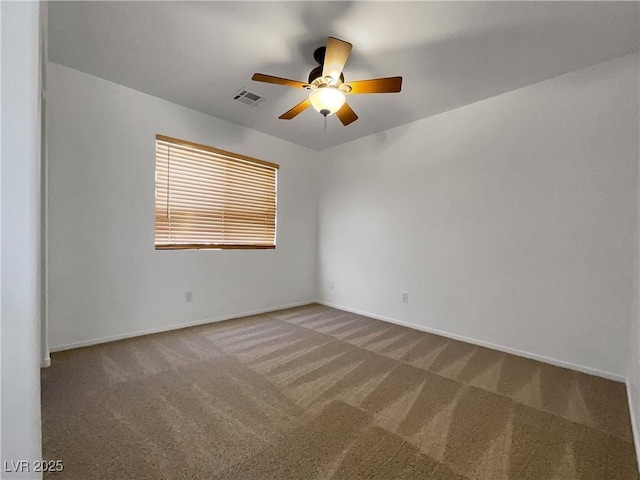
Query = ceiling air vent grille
x=248 y=98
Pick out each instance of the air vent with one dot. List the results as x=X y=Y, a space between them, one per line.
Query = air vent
x=247 y=97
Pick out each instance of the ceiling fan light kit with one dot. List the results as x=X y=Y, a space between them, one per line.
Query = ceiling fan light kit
x=327 y=100
x=327 y=85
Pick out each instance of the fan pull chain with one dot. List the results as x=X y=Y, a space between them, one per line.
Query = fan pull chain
x=325 y=124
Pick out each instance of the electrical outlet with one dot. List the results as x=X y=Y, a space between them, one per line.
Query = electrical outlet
x=405 y=297
x=188 y=297
x=331 y=284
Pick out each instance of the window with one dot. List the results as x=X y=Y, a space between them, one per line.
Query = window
x=209 y=198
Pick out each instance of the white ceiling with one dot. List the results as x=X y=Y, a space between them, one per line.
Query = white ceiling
x=198 y=54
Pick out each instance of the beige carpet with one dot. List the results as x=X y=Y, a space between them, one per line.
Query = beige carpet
x=317 y=393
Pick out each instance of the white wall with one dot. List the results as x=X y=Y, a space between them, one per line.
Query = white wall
x=45 y=360
x=633 y=358
x=106 y=280
x=510 y=221
x=20 y=358
x=633 y=377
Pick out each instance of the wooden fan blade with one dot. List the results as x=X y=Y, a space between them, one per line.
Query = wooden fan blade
x=303 y=105
x=335 y=57
x=261 y=77
x=376 y=85
x=346 y=115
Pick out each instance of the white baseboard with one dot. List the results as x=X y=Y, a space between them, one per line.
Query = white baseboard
x=166 y=328
x=482 y=343
x=634 y=426
x=45 y=362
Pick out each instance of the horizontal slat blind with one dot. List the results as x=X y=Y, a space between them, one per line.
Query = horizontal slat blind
x=210 y=198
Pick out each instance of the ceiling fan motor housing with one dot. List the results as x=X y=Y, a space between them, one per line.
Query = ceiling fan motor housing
x=317 y=73
x=318 y=55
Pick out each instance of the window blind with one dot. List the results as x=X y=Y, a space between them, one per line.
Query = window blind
x=210 y=198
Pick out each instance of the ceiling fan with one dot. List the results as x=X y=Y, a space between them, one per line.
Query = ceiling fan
x=327 y=85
